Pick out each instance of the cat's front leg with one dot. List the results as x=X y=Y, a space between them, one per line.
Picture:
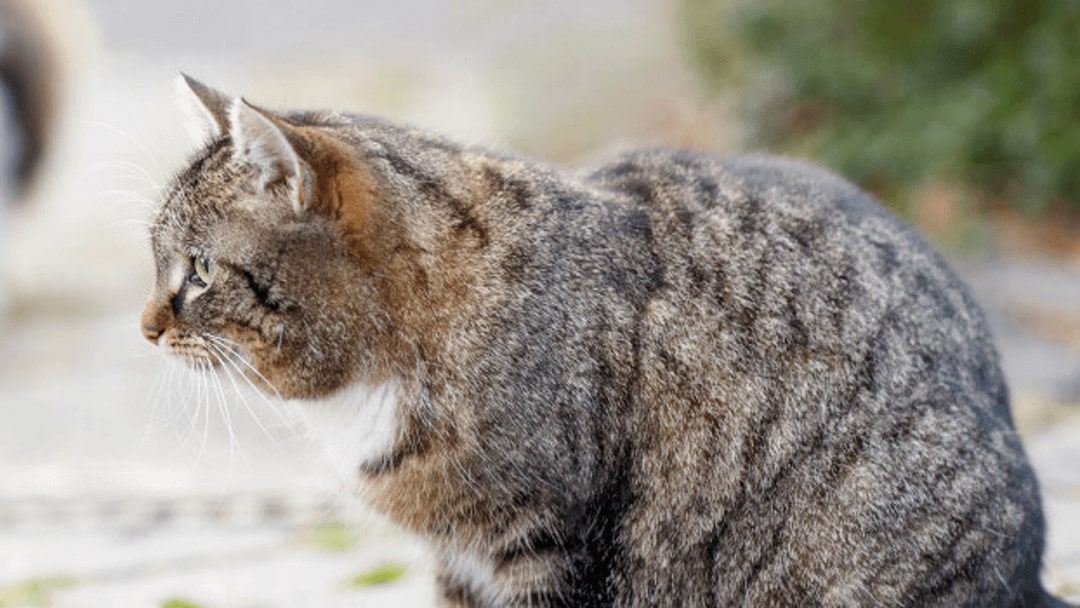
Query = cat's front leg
x=465 y=581
x=452 y=593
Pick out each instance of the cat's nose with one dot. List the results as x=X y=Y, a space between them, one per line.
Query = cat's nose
x=152 y=332
x=154 y=321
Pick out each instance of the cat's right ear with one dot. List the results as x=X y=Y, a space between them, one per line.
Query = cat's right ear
x=262 y=141
x=206 y=110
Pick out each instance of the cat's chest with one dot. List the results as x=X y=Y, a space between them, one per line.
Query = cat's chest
x=355 y=426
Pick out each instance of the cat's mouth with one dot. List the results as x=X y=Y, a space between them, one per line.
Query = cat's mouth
x=195 y=352
x=205 y=351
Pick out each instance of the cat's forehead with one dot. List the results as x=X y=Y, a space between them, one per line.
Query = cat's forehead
x=201 y=194
x=211 y=178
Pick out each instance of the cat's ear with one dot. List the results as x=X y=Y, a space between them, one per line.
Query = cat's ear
x=206 y=110
x=262 y=140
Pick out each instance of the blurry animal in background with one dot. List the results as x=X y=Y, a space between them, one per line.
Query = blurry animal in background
x=29 y=88
x=670 y=380
x=28 y=94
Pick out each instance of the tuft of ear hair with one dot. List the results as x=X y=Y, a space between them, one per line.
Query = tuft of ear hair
x=261 y=140
x=206 y=110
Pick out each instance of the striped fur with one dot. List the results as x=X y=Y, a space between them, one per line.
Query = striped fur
x=672 y=380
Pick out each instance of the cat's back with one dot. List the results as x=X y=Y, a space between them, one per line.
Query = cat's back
x=756 y=196
x=822 y=359
x=775 y=238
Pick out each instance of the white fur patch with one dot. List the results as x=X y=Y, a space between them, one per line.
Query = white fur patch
x=356 y=426
x=178 y=274
x=479 y=573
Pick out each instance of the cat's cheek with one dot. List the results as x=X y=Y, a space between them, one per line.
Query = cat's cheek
x=263 y=360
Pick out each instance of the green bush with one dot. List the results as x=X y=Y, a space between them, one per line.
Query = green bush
x=980 y=93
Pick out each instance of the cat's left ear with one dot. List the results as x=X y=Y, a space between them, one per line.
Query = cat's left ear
x=206 y=110
x=264 y=142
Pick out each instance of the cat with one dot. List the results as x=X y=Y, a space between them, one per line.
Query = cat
x=669 y=380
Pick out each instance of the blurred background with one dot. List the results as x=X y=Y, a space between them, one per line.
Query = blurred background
x=117 y=490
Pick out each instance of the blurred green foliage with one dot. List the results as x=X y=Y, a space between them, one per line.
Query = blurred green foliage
x=35 y=592
x=379 y=575
x=979 y=93
x=179 y=602
x=333 y=536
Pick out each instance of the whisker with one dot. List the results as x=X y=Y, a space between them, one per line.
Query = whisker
x=129 y=169
x=152 y=401
x=223 y=409
x=204 y=391
x=228 y=345
x=146 y=151
x=161 y=390
x=191 y=394
x=228 y=368
x=235 y=359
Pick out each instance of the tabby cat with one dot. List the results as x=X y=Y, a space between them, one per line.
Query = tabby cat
x=671 y=380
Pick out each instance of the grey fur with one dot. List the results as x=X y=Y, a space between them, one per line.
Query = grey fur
x=672 y=380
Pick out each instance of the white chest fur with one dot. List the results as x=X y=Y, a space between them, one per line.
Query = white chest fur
x=355 y=426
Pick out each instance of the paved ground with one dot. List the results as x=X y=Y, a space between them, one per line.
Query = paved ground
x=114 y=492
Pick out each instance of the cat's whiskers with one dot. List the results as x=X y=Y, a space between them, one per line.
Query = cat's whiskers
x=152 y=395
x=230 y=355
x=145 y=199
x=196 y=383
x=148 y=190
x=127 y=197
x=161 y=390
x=145 y=196
x=223 y=410
x=191 y=394
x=202 y=406
x=143 y=149
x=122 y=168
x=228 y=368
x=231 y=347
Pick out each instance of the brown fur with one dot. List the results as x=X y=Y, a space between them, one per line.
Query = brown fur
x=674 y=380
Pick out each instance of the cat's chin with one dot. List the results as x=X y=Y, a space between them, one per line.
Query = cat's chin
x=196 y=359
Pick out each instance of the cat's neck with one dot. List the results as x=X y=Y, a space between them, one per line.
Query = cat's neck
x=355 y=427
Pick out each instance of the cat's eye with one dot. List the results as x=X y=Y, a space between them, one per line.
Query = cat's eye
x=204 y=271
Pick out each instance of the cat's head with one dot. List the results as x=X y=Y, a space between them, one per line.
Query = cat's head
x=257 y=267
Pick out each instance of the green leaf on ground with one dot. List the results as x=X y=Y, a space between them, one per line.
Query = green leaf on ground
x=381 y=574
x=333 y=537
x=179 y=602
x=34 y=592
